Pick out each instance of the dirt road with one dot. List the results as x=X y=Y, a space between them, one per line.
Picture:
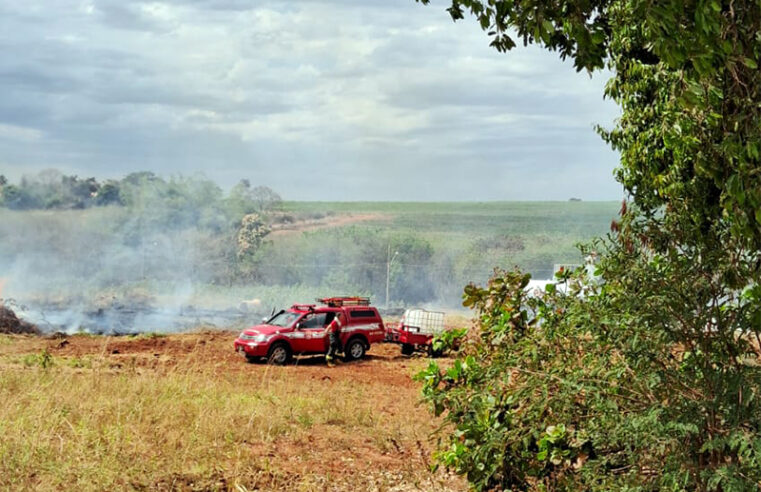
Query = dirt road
x=340 y=220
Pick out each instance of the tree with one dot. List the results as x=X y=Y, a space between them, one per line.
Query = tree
x=3 y=183
x=109 y=194
x=240 y=201
x=265 y=198
x=250 y=238
x=245 y=199
x=647 y=380
x=140 y=177
x=687 y=80
x=18 y=198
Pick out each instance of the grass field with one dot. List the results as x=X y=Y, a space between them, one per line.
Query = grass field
x=474 y=219
x=183 y=412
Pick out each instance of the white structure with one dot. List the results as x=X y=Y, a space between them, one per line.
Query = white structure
x=423 y=322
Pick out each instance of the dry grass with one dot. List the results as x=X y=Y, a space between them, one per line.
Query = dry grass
x=183 y=413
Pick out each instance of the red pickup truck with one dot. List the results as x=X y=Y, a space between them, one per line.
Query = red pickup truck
x=300 y=330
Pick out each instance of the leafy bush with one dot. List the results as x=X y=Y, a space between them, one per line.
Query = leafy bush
x=448 y=340
x=43 y=359
x=599 y=389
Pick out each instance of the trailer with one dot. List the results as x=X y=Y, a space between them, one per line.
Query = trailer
x=416 y=330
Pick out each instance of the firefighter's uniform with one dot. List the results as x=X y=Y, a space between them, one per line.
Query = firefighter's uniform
x=334 y=332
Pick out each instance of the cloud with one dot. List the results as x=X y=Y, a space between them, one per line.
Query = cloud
x=19 y=133
x=384 y=93
x=148 y=17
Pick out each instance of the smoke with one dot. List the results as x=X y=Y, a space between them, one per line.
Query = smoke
x=108 y=270
x=164 y=256
x=131 y=265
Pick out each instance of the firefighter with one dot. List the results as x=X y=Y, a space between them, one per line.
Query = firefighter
x=334 y=332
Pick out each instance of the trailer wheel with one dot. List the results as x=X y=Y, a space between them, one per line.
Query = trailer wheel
x=433 y=353
x=279 y=354
x=355 y=349
x=407 y=349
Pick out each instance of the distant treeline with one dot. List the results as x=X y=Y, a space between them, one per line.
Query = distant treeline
x=53 y=190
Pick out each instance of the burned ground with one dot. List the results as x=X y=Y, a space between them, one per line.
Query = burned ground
x=11 y=324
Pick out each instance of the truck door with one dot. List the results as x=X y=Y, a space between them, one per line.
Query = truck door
x=311 y=334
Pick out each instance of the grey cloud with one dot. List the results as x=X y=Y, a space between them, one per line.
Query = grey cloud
x=297 y=95
x=31 y=79
x=123 y=15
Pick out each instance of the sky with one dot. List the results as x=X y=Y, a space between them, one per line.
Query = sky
x=317 y=99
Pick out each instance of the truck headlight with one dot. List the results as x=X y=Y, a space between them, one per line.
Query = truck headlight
x=262 y=338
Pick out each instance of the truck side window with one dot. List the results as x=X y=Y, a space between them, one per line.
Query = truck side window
x=316 y=320
x=363 y=313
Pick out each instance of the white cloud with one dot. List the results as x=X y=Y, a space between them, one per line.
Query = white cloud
x=19 y=133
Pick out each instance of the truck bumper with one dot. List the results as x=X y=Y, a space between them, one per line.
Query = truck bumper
x=414 y=338
x=251 y=349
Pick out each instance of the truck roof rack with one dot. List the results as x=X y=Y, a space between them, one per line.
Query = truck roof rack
x=303 y=307
x=345 y=301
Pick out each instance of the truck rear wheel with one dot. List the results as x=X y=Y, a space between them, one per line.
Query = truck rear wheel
x=407 y=349
x=355 y=349
x=279 y=354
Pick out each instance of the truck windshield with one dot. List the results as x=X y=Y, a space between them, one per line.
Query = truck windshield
x=284 y=319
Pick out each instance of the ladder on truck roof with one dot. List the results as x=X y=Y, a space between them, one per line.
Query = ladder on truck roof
x=303 y=307
x=345 y=301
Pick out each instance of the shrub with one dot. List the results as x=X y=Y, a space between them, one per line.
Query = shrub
x=599 y=389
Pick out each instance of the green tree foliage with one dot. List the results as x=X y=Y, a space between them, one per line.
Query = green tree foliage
x=593 y=390
x=181 y=226
x=351 y=260
x=265 y=198
x=411 y=277
x=51 y=190
x=646 y=378
x=185 y=200
x=109 y=194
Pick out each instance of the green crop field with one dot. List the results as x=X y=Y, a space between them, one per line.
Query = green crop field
x=464 y=222
x=474 y=237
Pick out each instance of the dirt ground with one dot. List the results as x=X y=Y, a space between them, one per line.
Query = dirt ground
x=384 y=363
x=400 y=454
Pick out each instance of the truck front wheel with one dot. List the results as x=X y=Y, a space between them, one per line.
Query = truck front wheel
x=407 y=349
x=279 y=354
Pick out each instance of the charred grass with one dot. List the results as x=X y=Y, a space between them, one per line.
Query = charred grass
x=182 y=412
